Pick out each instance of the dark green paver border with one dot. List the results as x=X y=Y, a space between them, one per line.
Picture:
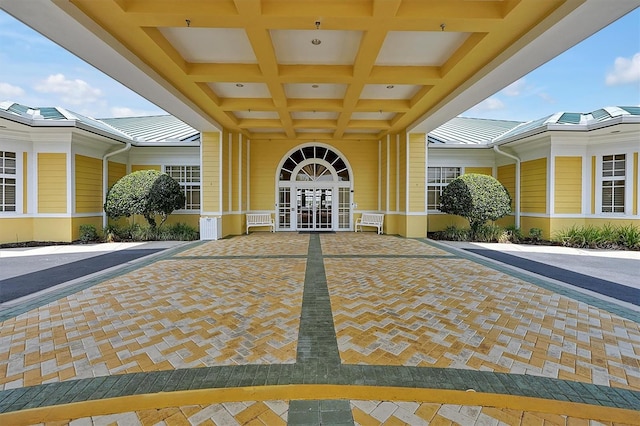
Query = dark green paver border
x=318 y=359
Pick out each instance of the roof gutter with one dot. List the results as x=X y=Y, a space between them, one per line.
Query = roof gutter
x=105 y=177
x=517 y=190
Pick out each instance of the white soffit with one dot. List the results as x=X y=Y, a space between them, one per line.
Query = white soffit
x=256 y=114
x=246 y=90
x=384 y=91
x=295 y=47
x=221 y=45
x=419 y=48
x=314 y=115
x=323 y=91
x=373 y=115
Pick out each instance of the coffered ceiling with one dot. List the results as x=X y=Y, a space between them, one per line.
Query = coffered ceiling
x=322 y=69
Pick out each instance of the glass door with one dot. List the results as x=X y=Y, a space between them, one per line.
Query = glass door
x=314 y=207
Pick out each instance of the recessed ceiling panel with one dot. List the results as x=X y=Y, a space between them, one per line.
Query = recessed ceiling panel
x=373 y=115
x=221 y=45
x=314 y=131
x=388 y=91
x=367 y=131
x=300 y=46
x=314 y=115
x=419 y=48
x=256 y=114
x=315 y=91
x=241 y=90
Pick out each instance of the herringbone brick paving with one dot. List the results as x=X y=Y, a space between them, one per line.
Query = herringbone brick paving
x=173 y=314
x=365 y=413
x=393 y=302
x=454 y=313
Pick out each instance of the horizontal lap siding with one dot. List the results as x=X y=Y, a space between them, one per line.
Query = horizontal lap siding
x=210 y=172
x=533 y=186
x=116 y=171
x=417 y=152
x=479 y=170
x=52 y=183
x=88 y=182
x=138 y=167
x=507 y=176
x=568 y=185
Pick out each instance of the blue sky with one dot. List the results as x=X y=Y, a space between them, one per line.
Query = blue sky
x=603 y=70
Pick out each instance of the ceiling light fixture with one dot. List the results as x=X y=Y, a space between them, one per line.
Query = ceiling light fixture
x=188 y=21
x=391 y=86
x=239 y=85
x=443 y=26
x=315 y=86
x=316 y=41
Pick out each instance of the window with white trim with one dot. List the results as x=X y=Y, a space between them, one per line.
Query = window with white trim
x=7 y=181
x=189 y=179
x=613 y=183
x=437 y=179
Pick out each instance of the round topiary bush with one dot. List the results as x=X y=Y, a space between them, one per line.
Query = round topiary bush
x=146 y=192
x=477 y=198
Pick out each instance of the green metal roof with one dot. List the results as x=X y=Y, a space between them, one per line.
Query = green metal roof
x=161 y=129
x=463 y=130
x=156 y=128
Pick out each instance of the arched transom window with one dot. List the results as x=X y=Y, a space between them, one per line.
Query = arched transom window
x=314 y=164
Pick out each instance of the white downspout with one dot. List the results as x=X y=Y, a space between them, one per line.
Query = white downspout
x=105 y=177
x=497 y=149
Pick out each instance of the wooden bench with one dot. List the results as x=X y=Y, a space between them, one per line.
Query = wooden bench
x=260 y=219
x=370 y=219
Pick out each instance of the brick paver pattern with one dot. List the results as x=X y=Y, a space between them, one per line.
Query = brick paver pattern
x=172 y=314
x=440 y=312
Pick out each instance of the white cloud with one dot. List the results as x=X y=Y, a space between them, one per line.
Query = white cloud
x=72 y=92
x=624 y=71
x=547 y=97
x=489 y=104
x=515 y=89
x=9 y=91
x=130 y=112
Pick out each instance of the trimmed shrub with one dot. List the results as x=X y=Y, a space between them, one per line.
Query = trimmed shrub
x=88 y=233
x=478 y=198
x=535 y=234
x=146 y=192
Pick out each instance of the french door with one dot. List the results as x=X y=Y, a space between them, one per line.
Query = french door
x=314 y=208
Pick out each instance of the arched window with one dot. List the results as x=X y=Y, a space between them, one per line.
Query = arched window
x=314 y=164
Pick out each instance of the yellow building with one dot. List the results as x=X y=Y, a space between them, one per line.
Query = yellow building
x=312 y=111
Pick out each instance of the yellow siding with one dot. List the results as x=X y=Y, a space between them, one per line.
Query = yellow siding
x=138 y=167
x=116 y=171
x=507 y=176
x=88 y=182
x=16 y=230
x=593 y=185
x=210 y=173
x=95 y=221
x=245 y=165
x=402 y=173
x=384 y=174
x=568 y=185
x=52 y=183
x=479 y=170
x=53 y=229
x=235 y=172
x=533 y=184
x=417 y=153
x=438 y=222
x=25 y=183
x=544 y=223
